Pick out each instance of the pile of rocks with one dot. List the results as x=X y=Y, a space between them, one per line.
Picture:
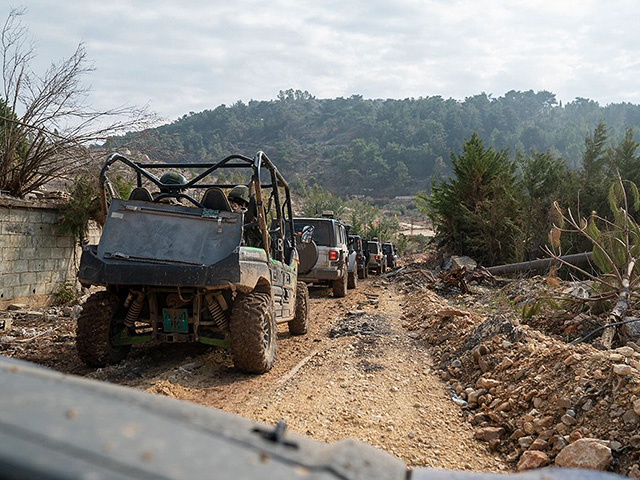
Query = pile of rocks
x=530 y=395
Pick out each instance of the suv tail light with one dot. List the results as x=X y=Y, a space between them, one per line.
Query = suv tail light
x=377 y=257
x=334 y=255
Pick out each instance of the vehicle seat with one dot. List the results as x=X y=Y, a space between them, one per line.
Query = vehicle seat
x=215 y=199
x=141 y=193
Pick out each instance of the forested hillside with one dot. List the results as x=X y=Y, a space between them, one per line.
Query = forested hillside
x=381 y=147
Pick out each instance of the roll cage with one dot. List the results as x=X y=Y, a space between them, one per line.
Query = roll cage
x=280 y=235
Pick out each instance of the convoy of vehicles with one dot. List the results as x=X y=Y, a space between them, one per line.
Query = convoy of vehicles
x=210 y=268
x=222 y=267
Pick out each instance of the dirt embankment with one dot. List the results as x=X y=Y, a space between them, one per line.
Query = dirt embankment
x=530 y=393
x=357 y=373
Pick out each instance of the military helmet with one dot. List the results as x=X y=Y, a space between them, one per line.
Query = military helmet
x=239 y=192
x=173 y=178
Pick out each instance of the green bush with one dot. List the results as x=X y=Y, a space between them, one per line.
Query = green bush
x=65 y=294
x=319 y=200
x=82 y=206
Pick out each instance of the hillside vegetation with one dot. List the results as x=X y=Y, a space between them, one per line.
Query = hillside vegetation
x=382 y=147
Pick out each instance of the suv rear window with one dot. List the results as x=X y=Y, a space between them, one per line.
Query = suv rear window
x=373 y=247
x=386 y=248
x=321 y=233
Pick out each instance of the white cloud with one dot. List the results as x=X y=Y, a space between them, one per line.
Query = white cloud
x=200 y=54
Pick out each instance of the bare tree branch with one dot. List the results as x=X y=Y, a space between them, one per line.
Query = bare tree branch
x=46 y=126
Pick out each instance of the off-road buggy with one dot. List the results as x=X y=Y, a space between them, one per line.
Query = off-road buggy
x=180 y=266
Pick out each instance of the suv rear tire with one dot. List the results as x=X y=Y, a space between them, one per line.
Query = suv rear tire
x=300 y=323
x=95 y=328
x=252 y=333
x=340 y=285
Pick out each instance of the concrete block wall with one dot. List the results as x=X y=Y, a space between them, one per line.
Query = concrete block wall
x=35 y=260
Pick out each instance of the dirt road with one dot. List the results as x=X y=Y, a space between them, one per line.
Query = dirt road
x=355 y=374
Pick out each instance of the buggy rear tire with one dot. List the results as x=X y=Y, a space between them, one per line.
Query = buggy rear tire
x=300 y=323
x=340 y=285
x=252 y=333
x=95 y=328
x=352 y=279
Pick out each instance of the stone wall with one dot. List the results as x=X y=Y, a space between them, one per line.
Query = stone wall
x=35 y=260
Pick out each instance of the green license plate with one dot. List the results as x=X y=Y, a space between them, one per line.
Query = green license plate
x=175 y=320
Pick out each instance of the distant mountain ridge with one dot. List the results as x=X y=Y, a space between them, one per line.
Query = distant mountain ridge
x=380 y=147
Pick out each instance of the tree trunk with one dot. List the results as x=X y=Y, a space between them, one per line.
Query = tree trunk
x=542 y=263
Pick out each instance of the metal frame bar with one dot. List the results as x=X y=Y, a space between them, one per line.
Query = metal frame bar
x=259 y=161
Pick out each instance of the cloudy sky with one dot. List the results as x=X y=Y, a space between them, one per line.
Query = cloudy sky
x=200 y=54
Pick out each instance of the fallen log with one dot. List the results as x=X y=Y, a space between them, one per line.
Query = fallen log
x=539 y=264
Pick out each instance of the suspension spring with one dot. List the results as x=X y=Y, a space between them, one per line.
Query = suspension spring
x=134 y=310
x=215 y=305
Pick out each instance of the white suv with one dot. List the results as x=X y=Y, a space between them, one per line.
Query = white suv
x=333 y=256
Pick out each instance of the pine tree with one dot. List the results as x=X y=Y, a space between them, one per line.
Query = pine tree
x=477 y=213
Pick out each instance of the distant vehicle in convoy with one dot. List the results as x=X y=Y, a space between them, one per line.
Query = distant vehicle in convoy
x=391 y=253
x=377 y=259
x=362 y=255
x=185 y=268
x=326 y=260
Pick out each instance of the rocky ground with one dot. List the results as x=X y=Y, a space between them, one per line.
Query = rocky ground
x=530 y=394
x=411 y=365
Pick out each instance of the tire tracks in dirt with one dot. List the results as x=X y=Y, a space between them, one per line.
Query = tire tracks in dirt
x=368 y=380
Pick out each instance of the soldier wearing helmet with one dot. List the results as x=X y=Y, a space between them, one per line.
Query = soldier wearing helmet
x=238 y=197
x=172 y=178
